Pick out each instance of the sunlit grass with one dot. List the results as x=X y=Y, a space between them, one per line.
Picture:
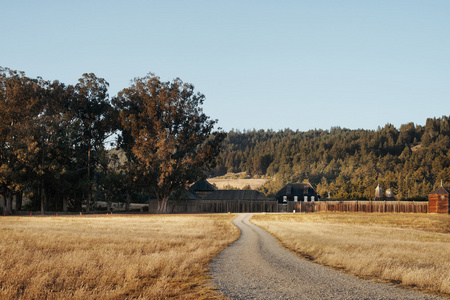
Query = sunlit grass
x=111 y=257
x=410 y=249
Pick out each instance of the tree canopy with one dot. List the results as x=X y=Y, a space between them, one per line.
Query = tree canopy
x=164 y=129
x=52 y=140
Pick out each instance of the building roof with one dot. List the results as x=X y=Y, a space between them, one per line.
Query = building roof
x=202 y=185
x=440 y=191
x=235 y=195
x=294 y=189
x=184 y=195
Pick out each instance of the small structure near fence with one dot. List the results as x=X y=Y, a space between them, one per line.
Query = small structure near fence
x=388 y=196
x=378 y=193
x=438 y=201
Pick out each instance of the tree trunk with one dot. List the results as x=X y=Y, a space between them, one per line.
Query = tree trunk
x=2 y=202
x=7 y=195
x=88 y=202
x=19 y=198
x=127 y=201
x=9 y=204
x=162 y=205
x=5 y=199
x=107 y=196
x=65 y=204
x=42 y=197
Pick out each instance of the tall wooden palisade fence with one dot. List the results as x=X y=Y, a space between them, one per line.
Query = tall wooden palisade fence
x=218 y=206
x=242 y=206
x=369 y=206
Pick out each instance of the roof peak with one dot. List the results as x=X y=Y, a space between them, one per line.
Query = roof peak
x=440 y=191
x=202 y=185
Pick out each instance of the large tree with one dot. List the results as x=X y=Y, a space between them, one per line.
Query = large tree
x=167 y=132
x=49 y=153
x=90 y=107
x=19 y=98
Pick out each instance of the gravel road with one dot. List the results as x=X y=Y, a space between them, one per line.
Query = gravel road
x=257 y=267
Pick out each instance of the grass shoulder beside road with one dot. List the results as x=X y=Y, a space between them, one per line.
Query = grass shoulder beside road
x=111 y=257
x=407 y=249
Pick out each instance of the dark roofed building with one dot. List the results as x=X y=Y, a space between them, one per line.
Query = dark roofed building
x=236 y=195
x=202 y=188
x=438 y=201
x=184 y=195
x=297 y=192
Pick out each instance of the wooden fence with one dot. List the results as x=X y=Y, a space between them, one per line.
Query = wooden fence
x=218 y=206
x=238 y=206
x=364 y=206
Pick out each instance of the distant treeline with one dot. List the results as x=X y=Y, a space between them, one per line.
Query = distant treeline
x=348 y=164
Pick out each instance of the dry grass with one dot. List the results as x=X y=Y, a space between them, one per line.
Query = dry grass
x=237 y=183
x=111 y=257
x=408 y=249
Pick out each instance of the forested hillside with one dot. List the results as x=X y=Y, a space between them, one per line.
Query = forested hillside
x=348 y=164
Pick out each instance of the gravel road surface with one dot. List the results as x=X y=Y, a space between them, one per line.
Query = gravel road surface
x=257 y=267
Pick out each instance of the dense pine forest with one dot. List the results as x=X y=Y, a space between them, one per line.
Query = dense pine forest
x=347 y=164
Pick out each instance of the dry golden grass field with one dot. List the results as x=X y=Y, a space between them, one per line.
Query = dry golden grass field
x=237 y=183
x=111 y=257
x=237 y=180
x=408 y=249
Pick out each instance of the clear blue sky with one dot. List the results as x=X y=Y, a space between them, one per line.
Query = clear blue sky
x=261 y=64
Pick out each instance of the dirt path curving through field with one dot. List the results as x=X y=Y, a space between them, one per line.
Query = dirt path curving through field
x=256 y=266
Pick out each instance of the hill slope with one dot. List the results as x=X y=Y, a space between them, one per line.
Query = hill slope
x=411 y=160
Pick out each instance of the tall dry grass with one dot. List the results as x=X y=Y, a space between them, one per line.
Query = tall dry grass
x=110 y=257
x=239 y=183
x=408 y=249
